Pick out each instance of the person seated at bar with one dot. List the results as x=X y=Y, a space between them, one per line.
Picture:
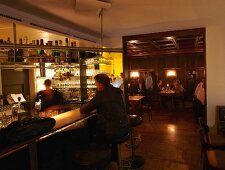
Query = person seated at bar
x=50 y=99
x=112 y=120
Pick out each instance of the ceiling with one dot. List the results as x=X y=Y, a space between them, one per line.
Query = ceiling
x=125 y=17
x=166 y=43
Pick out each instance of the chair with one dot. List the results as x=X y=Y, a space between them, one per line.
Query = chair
x=220 y=120
x=115 y=150
x=205 y=136
x=146 y=106
x=211 y=153
x=178 y=101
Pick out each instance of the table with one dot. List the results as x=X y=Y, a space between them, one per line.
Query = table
x=169 y=94
x=135 y=101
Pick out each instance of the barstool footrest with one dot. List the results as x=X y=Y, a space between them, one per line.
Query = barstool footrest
x=137 y=162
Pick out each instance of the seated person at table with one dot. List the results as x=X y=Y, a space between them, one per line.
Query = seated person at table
x=157 y=88
x=50 y=99
x=179 y=90
x=179 y=93
x=112 y=119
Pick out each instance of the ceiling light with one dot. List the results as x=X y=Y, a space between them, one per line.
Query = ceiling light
x=169 y=38
x=171 y=73
x=134 y=74
x=133 y=41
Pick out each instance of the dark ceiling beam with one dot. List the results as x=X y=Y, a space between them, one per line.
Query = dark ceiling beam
x=168 y=52
x=175 y=43
x=155 y=45
x=178 y=33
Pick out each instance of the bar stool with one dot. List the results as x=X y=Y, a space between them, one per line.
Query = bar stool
x=136 y=161
x=93 y=156
x=115 y=149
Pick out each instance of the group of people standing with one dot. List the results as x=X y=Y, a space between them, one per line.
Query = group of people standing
x=144 y=85
x=151 y=86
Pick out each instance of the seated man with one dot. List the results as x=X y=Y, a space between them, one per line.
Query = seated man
x=112 y=119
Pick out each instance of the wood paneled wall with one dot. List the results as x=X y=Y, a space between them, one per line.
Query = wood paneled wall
x=190 y=68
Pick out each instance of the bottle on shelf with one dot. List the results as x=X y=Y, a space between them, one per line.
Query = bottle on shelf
x=66 y=42
x=16 y=109
x=8 y=40
x=38 y=106
x=19 y=104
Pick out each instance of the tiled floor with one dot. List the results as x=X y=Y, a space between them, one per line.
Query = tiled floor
x=170 y=140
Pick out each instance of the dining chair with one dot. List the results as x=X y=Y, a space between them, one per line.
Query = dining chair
x=211 y=153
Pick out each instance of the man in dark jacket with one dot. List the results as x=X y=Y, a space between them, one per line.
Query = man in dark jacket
x=112 y=119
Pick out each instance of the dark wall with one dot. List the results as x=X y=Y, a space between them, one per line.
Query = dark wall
x=15 y=82
x=190 y=68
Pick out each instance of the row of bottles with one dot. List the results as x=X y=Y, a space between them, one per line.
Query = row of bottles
x=10 y=113
x=40 y=42
x=32 y=55
x=2 y=41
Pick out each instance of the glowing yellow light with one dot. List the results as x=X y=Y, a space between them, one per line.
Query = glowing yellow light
x=169 y=38
x=133 y=41
x=134 y=74
x=171 y=73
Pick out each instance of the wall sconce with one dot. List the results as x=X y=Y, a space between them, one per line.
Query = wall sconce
x=134 y=74
x=171 y=73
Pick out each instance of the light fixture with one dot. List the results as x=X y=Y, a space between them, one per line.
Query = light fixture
x=133 y=41
x=100 y=59
x=169 y=38
x=134 y=74
x=171 y=73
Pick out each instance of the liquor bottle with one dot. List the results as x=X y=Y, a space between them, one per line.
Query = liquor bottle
x=19 y=104
x=15 y=112
x=38 y=106
x=66 y=42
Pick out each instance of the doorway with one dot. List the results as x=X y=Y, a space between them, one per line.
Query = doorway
x=182 y=51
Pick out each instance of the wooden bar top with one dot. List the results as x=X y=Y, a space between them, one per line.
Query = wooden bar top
x=69 y=117
x=63 y=121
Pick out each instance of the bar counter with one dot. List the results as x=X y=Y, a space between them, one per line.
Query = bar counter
x=64 y=121
x=68 y=118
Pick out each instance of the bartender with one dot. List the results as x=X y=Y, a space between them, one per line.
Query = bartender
x=50 y=99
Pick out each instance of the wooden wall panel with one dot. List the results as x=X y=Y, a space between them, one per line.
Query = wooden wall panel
x=182 y=63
